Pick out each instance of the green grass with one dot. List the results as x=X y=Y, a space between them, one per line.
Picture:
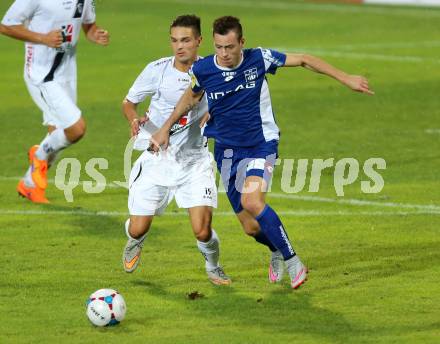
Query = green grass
x=374 y=270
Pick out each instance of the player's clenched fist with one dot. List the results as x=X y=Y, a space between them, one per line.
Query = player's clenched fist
x=53 y=39
x=136 y=124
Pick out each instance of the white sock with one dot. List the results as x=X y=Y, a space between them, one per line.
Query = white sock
x=52 y=143
x=210 y=250
x=28 y=181
x=51 y=158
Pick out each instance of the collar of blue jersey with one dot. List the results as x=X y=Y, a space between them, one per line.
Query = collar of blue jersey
x=226 y=68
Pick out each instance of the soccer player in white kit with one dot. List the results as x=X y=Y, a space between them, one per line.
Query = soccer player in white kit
x=51 y=31
x=185 y=172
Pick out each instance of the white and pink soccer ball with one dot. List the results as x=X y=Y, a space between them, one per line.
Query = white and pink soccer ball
x=106 y=307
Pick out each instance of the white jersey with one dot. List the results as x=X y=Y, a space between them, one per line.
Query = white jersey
x=43 y=63
x=165 y=84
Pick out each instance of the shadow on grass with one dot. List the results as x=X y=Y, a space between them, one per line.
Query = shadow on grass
x=99 y=224
x=281 y=312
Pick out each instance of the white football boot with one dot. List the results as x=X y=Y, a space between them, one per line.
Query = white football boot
x=132 y=251
x=218 y=276
x=276 y=267
x=297 y=271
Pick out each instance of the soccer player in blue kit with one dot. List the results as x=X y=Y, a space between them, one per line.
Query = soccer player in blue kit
x=245 y=132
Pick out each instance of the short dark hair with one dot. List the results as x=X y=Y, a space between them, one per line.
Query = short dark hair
x=188 y=20
x=223 y=25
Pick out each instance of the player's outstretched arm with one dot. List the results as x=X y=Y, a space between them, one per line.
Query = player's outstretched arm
x=355 y=82
x=161 y=138
x=52 y=39
x=96 y=34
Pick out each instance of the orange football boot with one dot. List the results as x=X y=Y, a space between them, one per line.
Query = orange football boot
x=39 y=169
x=35 y=194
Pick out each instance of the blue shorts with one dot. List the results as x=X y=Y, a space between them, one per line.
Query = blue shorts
x=237 y=163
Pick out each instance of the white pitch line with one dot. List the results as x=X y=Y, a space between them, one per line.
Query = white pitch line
x=355 y=202
x=344 y=9
x=293 y=213
x=386 y=45
x=110 y=185
x=432 y=131
x=358 y=202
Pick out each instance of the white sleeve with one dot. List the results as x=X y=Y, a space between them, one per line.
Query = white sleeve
x=89 y=13
x=19 y=12
x=145 y=85
x=272 y=59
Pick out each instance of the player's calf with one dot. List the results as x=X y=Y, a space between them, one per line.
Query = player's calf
x=75 y=132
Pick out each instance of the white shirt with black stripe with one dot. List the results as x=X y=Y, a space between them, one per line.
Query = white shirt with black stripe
x=43 y=16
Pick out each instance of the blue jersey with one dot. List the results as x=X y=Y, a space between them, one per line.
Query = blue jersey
x=238 y=98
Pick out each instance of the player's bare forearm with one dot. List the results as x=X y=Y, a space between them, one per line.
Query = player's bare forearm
x=52 y=39
x=21 y=33
x=130 y=112
x=355 y=82
x=95 y=34
x=161 y=138
x=315 y=64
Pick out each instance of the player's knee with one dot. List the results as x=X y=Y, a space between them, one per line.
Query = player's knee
x=137 y=231
x=139 y=225
x=253 y=205
x=203 y=234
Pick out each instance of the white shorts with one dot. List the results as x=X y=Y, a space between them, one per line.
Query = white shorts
x=146 y=198
x=57 y=100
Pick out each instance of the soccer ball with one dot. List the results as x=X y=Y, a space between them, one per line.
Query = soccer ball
x=106 y=307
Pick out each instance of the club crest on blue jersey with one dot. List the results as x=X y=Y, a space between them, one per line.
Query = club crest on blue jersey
x=251 y=74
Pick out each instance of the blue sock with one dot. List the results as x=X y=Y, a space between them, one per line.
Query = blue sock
x=273 y=229
x=262 y=239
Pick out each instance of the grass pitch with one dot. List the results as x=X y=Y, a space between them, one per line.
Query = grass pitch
x=374 y=265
